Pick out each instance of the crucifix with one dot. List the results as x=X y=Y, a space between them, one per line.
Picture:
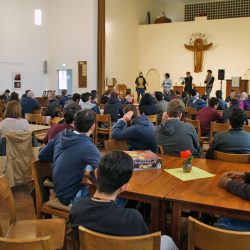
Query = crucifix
x=198 y=48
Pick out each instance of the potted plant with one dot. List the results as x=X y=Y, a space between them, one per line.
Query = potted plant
x=187 y=161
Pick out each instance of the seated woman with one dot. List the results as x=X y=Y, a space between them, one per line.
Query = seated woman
x=147 y=105
x=13 y=121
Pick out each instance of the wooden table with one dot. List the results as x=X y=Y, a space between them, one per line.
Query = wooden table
x=37 y=129
x=204 y=195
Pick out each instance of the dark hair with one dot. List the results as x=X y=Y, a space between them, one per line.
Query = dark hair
x=85 y=96
x=235 y=102
x=131 y=107
x=212 y=102
x=7 y=91
x=218 y=94
x=237 y=118
x=14 y=97
x=209 y=71
x=193 y=92
x=76 y=97
x=204 y=98
x=175 y=108
x=94 y=94
x=115 y=169
x=188 y=73
x=128 y=91
x=147 y=99
x=69 y=112
x=158 y=95
x=83 y=120
x=64 y=92
x=167 y=75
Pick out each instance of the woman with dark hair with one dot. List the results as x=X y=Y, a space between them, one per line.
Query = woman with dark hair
x=147 y=105
x=222 y=104
x=13 y=121
x=13 y=97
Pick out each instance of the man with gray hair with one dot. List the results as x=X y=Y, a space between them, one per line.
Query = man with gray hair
x=174 y=135
x=29 y=103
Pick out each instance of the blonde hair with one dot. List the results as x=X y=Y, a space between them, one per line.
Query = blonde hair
x=13 y=110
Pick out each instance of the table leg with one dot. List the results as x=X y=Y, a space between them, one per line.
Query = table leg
x=154 y=216
x=163 y=218
x=176 y=223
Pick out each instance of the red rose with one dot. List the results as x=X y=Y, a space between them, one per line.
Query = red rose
x=185 y=154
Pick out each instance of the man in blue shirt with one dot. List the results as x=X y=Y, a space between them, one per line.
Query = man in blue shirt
x=29 y=103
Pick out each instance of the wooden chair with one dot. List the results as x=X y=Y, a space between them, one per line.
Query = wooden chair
x=248 y=114
x=115 y=145
x=152 y=118
x=103 y=126
x=32 y=118
x=239 y=158
x=56 y=120
x=26 y=230
x=246 y=128
x=220 y=112
x=191 y=112
x=37 y=111
x=160 y=149
x=90 y=240
x=20 y=244
x=43 y=120
x=42 y=171
x=217 y=127
x=197 y=126
x=202 y=236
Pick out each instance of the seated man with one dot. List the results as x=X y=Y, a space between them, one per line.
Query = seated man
x=194 y=97
x=237 y=183
x=236 y=140
x=65 y=98
x=73 y=155
x=29 y=103
x=208 y=115
x=101 y=213
x=87 y=104
x=174 y=135
x=69 y=111
x=140 y=135
x=161 y=105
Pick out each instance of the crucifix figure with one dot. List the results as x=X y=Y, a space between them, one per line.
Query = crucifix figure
x=198 y=47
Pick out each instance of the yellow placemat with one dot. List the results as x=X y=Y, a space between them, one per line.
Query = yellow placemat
x=196 y=173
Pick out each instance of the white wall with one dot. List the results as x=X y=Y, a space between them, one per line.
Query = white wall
x=122 y=36
x=73 y=38
x=162 y=47
x=23 y=46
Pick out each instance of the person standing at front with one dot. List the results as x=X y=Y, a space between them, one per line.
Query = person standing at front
x=140 y=83
x=167 y=84
x=209 y=81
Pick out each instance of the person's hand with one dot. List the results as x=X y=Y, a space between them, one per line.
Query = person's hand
x=223 y=182
x=235 y=175
x=164 y=116
x=128 y=116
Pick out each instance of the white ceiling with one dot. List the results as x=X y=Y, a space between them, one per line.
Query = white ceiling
x=189 y=1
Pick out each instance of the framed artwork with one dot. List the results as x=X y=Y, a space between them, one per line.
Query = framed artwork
x=82 y=74
x=17 y=80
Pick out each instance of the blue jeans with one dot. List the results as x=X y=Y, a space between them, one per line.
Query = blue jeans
x=82 y=193
x=233 y=224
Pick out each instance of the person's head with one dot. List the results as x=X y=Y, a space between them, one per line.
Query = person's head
x=232 y=93
x=51 y=96
x=140 y=73
x=188 y=73
x=114 y=172
x=69 y=112
x=7 y=92
x=107 y=93
x=128 y=91
x=193 y=92
x=131 y=107
x=159 y=96
x=86 y=97
x=218 y=94
x=76 y=98
x=178 y=92
x=243 y=96
x=94 y=95
x=94 y=92
x=237 y=118
x=64 y=92
x=84 y=121
x=209 y=72
x=14 y=96
x=167 y=75
x=235 y=103
x=31 y=94
x=13 y=110
x=146 y=99
x=175 y=108
x=213 y=103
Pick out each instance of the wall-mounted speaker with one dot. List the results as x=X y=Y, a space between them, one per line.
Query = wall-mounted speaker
x=221 y=74
x=45 y=67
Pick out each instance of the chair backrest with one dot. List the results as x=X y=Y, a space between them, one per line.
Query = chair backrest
x=43 y=120
x=41 y=170
x=160 y=149
x=32 y=118
x=37 y=111
x=42 y=243
x=196 y=124
x=90 y=240
x=220 y=112
x=240 y=158
x=203 y=236
x=248 y=114
x=191 y=111
x=103 y=125
x=7 y=196
x=217 y=127
x=246 y=128
x=56 y=120
x=110 y=145
x=153 y=119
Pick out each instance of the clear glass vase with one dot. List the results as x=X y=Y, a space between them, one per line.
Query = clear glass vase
x=187 y=166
